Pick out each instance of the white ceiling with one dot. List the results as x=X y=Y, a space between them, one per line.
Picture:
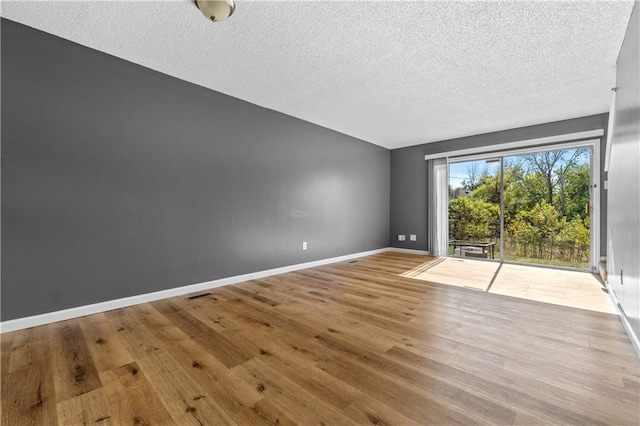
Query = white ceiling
x=391 y=73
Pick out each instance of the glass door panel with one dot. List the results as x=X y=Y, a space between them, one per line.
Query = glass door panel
x=547 y=208
x=474 y=209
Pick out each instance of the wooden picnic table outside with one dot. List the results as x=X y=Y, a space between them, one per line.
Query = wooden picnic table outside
x=483 y=245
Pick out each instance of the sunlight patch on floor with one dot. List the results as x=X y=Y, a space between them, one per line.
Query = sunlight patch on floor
x=459 y=272
x=567 y=288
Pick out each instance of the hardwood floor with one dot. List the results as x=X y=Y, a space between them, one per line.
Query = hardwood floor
x=347 y=343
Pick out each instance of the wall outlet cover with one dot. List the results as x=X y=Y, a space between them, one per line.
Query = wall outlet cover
x=401 y=238
x=413 y=237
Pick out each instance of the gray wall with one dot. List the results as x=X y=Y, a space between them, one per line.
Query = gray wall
x=118 y=180
x=409 y=174
x=623 y=263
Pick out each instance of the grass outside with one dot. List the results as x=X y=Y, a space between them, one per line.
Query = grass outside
x=550 y=262
x=511 y=257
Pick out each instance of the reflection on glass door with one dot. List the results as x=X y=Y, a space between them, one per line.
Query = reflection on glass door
x=474 y=209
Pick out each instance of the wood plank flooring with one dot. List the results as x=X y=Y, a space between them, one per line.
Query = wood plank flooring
x=347 y=343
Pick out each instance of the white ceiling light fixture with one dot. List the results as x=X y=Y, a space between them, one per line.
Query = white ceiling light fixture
x=216 y=10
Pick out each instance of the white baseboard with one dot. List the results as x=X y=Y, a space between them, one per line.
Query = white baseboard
x=623 y=319
x=80 y=311
x=406 y=250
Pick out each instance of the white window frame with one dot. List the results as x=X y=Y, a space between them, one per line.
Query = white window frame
x=519 y=148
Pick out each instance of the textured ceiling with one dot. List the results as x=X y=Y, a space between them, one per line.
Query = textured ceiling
x=391 y=73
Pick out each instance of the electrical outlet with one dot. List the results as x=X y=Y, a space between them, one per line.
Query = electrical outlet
x=401 y=238
x=413 y=237
x=304 y=245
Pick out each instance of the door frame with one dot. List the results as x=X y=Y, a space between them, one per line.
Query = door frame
x=594 y=186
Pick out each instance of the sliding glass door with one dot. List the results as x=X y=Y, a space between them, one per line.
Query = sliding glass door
x=531 y=207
